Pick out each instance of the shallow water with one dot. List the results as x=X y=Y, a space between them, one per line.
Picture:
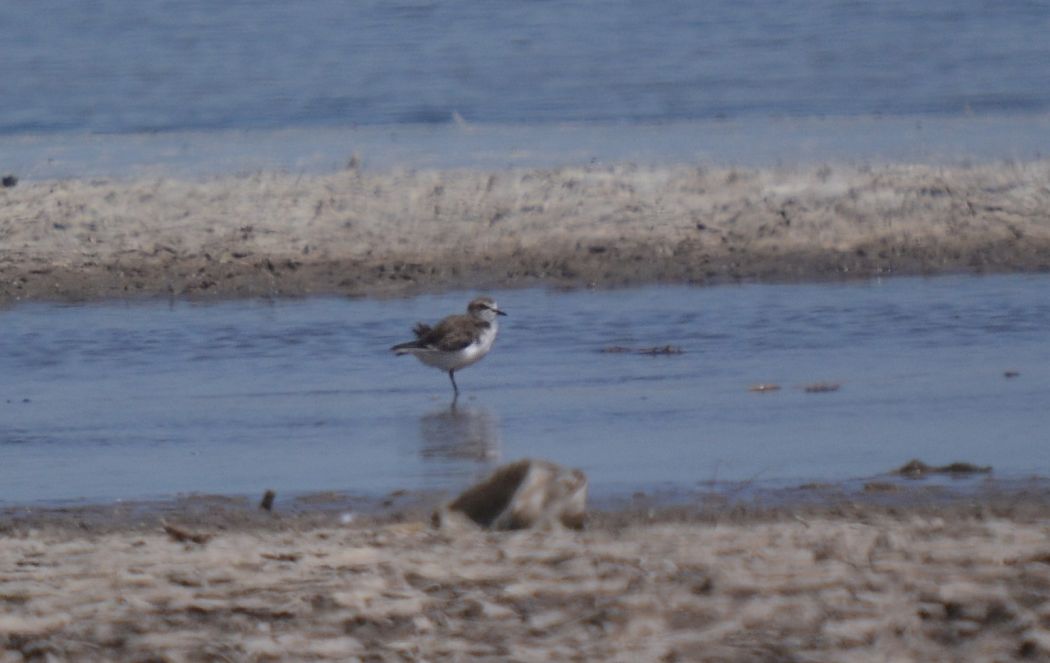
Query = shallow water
x=139 y=400
x=746 y=143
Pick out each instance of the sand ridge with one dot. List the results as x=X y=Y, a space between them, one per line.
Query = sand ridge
x=358 y=232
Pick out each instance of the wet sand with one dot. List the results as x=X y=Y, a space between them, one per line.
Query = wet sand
x=850 y=579
x=358 y=232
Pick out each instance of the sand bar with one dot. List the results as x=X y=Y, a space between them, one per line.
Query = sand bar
x=357 y=232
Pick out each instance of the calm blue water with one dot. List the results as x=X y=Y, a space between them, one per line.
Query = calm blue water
x=129 y=66
x=149 y=400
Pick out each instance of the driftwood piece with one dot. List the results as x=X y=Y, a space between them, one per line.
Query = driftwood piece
x=183 y=535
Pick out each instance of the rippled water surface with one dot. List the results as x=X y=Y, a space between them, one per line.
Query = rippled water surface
x=153 y=399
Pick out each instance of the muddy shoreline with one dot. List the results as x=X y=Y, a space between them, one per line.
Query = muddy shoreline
x=891 y=494
x=359 y=233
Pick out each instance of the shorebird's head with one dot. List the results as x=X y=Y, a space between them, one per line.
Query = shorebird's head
x=484 y=308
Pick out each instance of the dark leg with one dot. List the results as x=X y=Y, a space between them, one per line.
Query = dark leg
x=452 y=377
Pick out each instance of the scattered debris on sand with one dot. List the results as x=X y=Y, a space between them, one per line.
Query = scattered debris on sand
x=266 y=504
x=880 y=487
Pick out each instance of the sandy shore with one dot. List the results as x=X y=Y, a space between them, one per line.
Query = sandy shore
x=843 y=581
x=362 y=233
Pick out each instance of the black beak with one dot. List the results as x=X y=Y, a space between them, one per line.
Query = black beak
x=499 y=312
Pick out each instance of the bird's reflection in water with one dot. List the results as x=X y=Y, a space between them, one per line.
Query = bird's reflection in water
x=458 y=433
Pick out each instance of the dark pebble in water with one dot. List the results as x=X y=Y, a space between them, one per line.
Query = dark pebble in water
x=652 y=352
x=9 y=181
x=917 y=469
x=822 y=387
x=662 y=350
x=1011 y=374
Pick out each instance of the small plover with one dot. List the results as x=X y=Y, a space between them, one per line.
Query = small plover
x=457 y=341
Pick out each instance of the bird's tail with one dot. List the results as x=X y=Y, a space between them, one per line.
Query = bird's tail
x=406 y=348
x=420 y=330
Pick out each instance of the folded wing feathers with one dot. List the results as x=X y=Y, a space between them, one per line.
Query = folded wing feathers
x=421 y=330
x=450 y=339
x=448 y=336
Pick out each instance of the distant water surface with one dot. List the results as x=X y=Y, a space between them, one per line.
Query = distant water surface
x=129 y=66
x=142 y=400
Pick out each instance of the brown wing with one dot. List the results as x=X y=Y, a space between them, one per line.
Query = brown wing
x=453 y=333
